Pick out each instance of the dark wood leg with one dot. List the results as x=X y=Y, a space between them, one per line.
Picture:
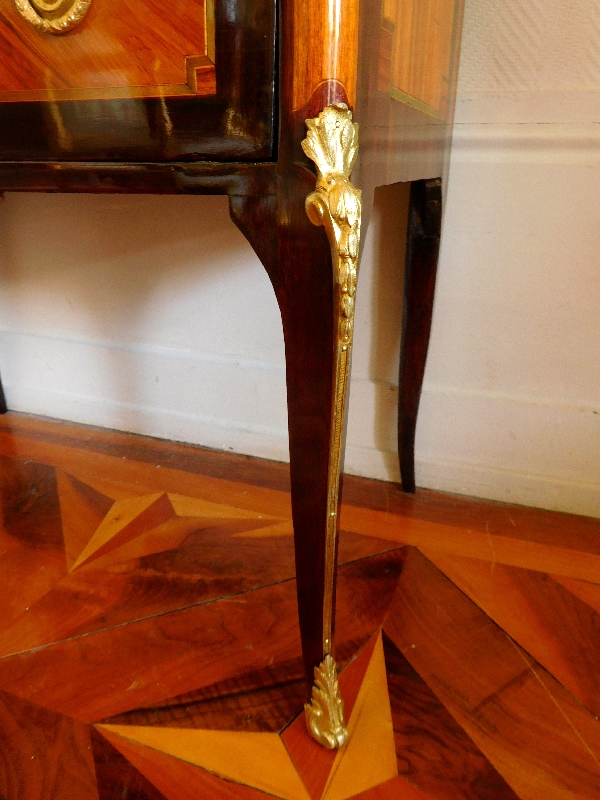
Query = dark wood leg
x=306 y=233
x=298 y=261
x=313 y=272
x=422 y=249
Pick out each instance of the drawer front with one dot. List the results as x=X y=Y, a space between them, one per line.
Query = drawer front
x=143 y=81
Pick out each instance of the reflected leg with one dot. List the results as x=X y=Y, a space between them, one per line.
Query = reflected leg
x=422 y=249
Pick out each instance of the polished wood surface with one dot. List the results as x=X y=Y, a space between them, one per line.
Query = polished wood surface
x=136 y=83
x=408 y=64
x=543 y=742
x=114 y=671
x=416 y=62
x=144 y=49
x=297 y=257
x=325 y=49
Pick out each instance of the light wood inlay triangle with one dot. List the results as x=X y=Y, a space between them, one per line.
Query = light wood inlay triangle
x=259 y=760
x=178 y=780
x=126 y=520
x=369 y=757
x=82 y=509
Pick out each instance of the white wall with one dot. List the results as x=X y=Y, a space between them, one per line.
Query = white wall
x=152 y=314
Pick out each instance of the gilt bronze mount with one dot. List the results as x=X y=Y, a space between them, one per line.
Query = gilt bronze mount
x=53 y=16
x=332 y=143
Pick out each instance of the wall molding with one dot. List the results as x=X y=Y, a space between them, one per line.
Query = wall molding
x=528 y=143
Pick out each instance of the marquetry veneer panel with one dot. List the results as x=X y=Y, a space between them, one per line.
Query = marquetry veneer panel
x=121 y=49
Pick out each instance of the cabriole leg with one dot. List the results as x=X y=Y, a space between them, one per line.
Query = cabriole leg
x=314 y=278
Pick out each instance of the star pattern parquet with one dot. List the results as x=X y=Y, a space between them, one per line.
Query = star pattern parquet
x=149 y=645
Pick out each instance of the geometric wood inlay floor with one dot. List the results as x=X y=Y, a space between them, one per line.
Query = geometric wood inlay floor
x=149 y=644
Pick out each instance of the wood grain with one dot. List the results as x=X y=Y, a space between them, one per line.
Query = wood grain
x=178 y=652
x=267 y=709
x=129 y=59
x=434 y=753
x=325 y=48
x=82 y=509
x=43 y=755
x=118 y=45
x=588 y=592
x=421 y=62
x=557 y=628
x=578 y=559
x=531 y=729
x=116 y=776
x=369 y=757
x=258 y=760
x=178 y=779
x=159 y=640
x=396 y=789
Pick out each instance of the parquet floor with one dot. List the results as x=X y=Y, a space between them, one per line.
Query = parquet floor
x=149 y=646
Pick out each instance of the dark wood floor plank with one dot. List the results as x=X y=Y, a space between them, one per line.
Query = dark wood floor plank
x=130 y=666
x=81 y=463
x=189 y=458
x=29 y=500
x=528 y=726
x=557 y=628
x=43 y=755
x=434 y=753
x=530 y=524
x=261 y=710
x=554 y=543
x=133 y=633
x=117 y=778
x=202 y=568
x=106 y=673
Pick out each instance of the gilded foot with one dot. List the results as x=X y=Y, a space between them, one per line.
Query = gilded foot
x=325 y=711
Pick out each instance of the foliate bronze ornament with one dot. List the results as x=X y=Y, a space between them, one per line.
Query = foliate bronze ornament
x=325 y=711
x=53 y=16
x=332 y=143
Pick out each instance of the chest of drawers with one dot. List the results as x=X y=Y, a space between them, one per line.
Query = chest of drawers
x=215 y=96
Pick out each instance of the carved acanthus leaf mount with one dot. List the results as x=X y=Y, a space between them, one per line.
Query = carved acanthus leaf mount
x=325 y=711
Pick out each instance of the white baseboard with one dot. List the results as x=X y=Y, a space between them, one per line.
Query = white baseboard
x=479 y=443
x=492 y=445
x=256 y=440
x=537 y=491
x=223 y=403
x=481 y=480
